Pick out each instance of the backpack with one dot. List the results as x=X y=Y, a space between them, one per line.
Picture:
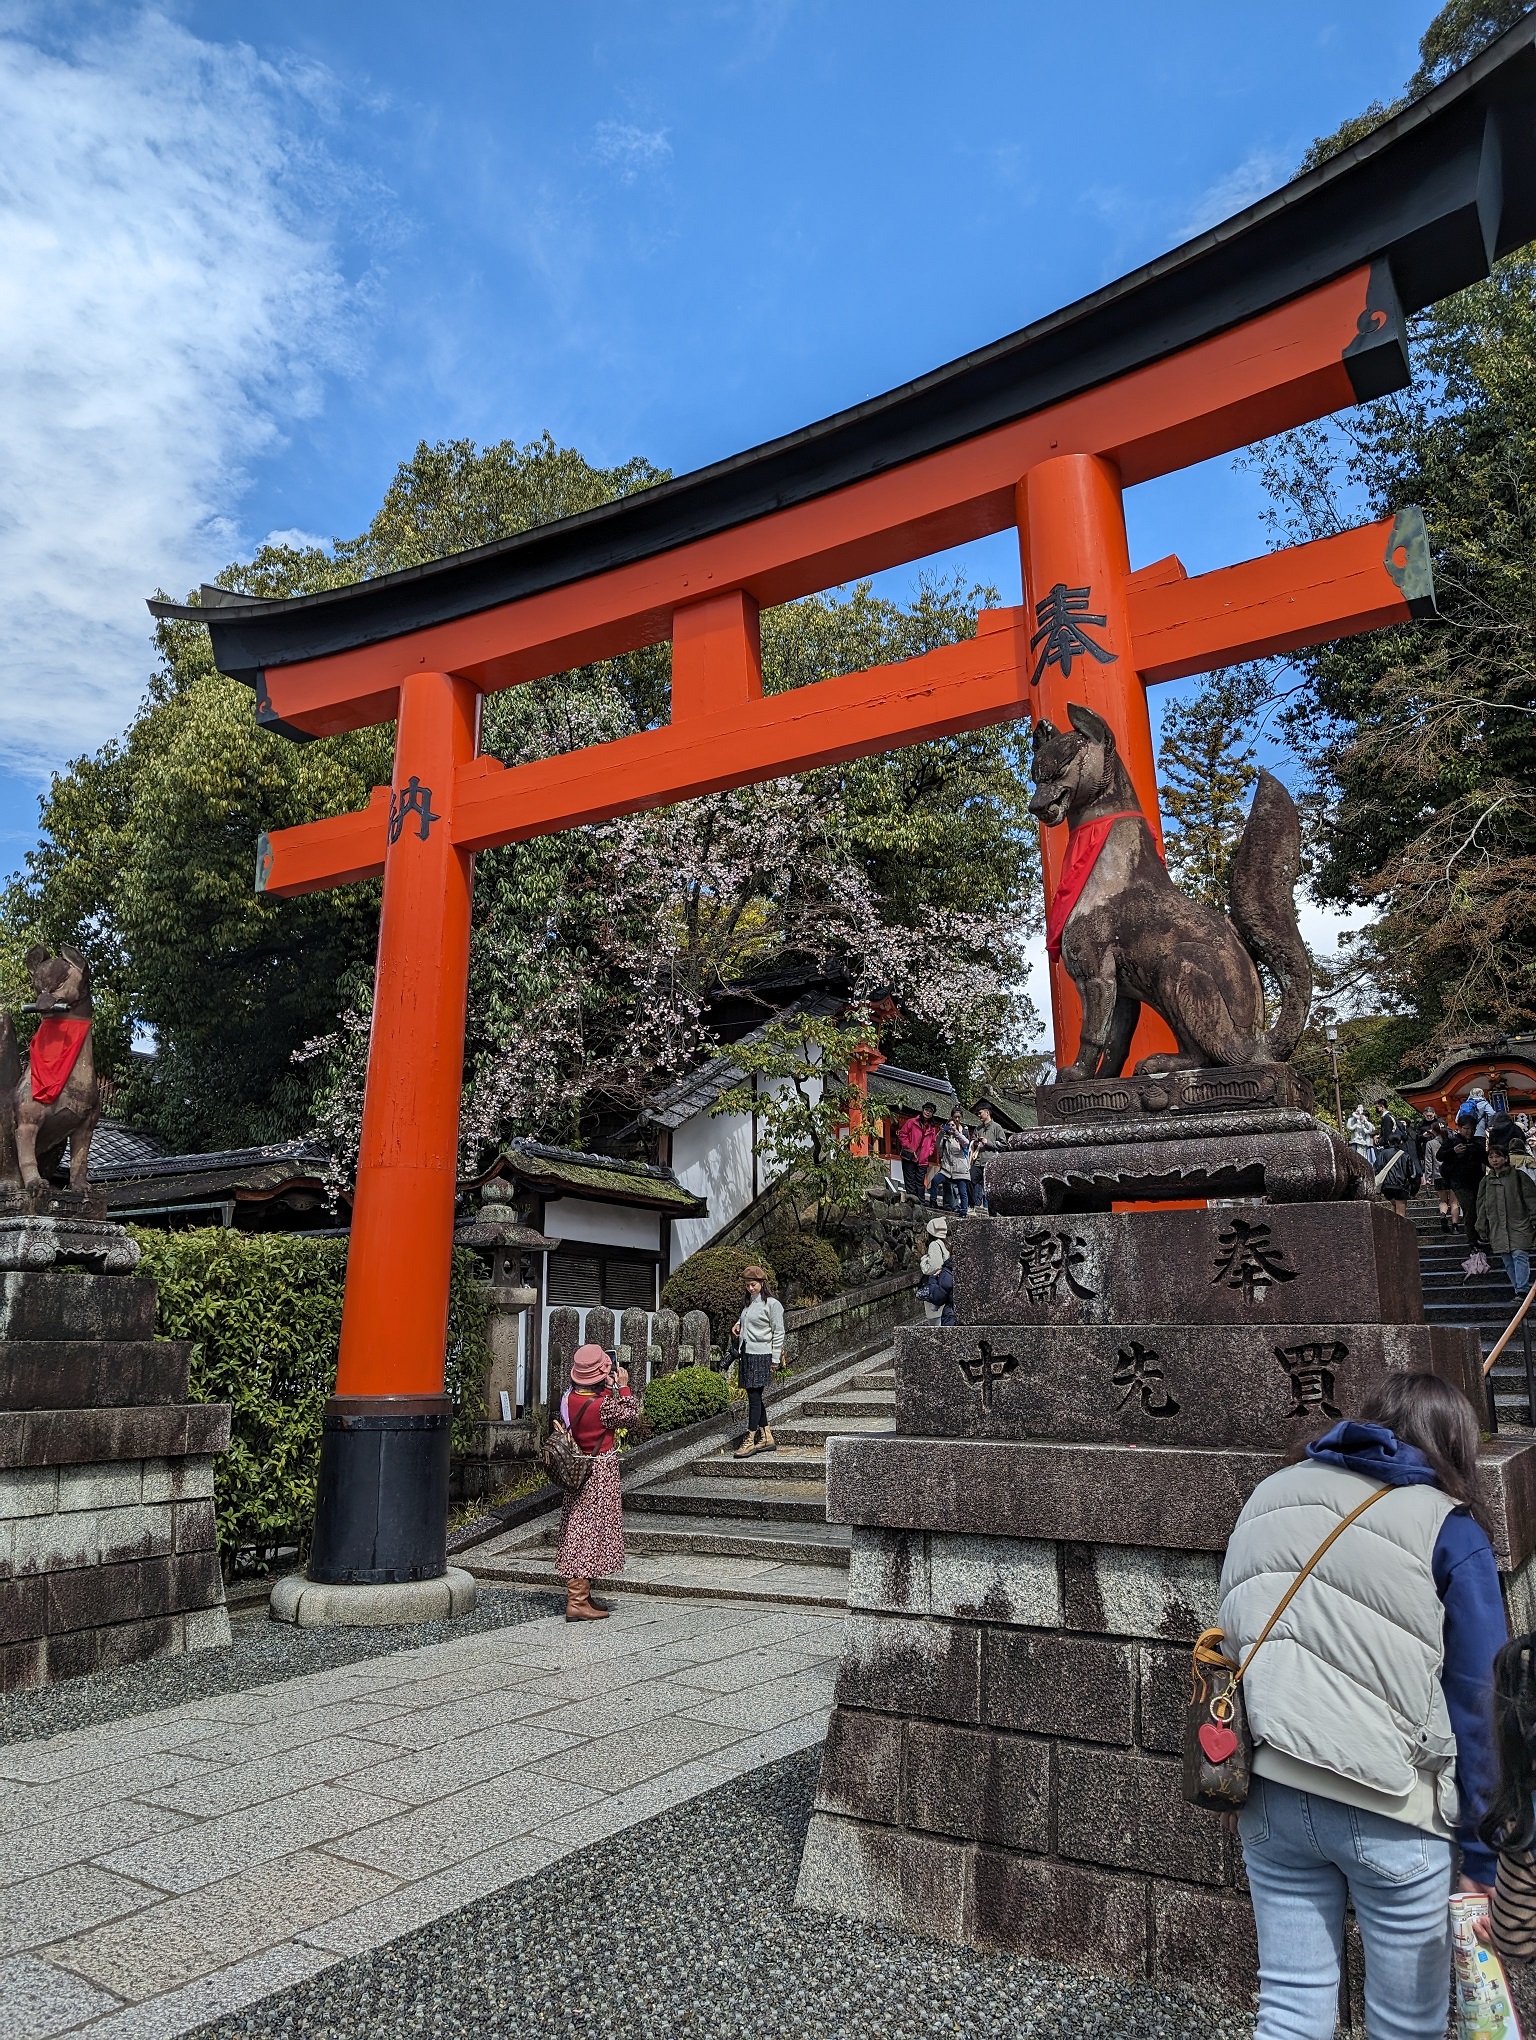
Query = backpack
x=564 y=1461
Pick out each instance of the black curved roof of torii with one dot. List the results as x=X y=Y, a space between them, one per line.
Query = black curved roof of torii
x=1437 y=193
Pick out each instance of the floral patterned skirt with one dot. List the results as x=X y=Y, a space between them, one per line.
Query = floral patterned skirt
x=592 y=1525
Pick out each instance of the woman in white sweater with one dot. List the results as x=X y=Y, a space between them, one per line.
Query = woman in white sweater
x=760 y=1329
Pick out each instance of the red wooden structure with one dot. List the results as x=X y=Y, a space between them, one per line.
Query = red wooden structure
x=1293 y=309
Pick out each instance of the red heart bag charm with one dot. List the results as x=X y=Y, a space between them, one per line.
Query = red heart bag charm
x=1217 y=1740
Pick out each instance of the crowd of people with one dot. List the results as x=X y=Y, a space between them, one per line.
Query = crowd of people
x=1481 y=1166
x=943 y=1160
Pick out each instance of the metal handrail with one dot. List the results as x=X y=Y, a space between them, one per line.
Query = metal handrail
x=1510 y=1329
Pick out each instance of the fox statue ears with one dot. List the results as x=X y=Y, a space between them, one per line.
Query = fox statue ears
x=1091 y=726
x=1084 y=721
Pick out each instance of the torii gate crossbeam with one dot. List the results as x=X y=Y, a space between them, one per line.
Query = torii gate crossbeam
x=1292 y=310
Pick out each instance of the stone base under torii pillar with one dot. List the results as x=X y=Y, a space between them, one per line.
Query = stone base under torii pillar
x=1039 y=1544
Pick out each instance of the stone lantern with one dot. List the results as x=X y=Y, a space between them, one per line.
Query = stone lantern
x=497 y=1232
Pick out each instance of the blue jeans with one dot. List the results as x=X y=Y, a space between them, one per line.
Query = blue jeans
x=946 y=1188
x=1517 y=1267
x=1303 y=1854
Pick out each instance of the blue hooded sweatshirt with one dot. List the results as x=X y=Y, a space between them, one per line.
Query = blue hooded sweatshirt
x=1467 y=1581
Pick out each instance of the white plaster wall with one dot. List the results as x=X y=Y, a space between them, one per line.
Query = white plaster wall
x=712 y=1158
x=602 y=1225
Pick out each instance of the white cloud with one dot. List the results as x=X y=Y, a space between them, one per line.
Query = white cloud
x=168 y=294
x=630 y=149
x=1260 y=172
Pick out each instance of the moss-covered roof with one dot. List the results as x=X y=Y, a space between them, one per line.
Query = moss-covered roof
x=566 y=1172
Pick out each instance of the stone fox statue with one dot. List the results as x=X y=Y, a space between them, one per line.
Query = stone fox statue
x=1129 y=937
x=55 y=1096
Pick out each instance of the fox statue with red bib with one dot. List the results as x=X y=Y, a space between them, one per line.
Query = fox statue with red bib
x=53 y=1097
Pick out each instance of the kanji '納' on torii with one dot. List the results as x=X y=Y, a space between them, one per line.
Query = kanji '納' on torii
x=1292 y=310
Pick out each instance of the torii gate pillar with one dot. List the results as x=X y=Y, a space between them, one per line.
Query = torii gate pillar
x=1073 y=549
x=383 y=1493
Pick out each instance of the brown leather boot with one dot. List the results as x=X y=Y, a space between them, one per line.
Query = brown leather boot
x=578 y=1603
x=747 y=1446
x=765 y=1441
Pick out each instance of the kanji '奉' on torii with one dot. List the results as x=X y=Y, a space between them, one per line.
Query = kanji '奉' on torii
x=1293 y=309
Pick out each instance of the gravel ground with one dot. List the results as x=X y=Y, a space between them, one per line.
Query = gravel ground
x=682 y=1929
x=261 y=1654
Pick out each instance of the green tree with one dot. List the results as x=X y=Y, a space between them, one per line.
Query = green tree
x=1207 y=772
x=1419 y=740
x=594 y=952
x=796 y=1081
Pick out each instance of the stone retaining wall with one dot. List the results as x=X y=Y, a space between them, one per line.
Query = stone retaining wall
x=857 y=1322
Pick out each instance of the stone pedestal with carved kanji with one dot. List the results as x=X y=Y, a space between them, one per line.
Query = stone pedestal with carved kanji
x=1040 y=1542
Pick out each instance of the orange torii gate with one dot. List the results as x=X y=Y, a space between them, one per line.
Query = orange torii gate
x=1293 y=309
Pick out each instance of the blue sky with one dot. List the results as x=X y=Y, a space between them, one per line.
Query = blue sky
x=258 y=249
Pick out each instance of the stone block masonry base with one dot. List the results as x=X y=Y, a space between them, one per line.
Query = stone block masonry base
x=108 y=1552
x=1002 y=1766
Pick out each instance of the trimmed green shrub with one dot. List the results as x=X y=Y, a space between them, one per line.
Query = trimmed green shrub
x=265 y=1312
x=807 y=1264
x=686 y=1396
x=710 y=1280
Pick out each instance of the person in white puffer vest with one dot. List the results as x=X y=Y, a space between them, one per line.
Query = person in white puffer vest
x=1371 y=1709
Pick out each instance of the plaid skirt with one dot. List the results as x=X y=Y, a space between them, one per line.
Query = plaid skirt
x=592 y=1525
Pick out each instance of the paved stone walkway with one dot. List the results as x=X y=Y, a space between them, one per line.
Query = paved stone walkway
x=162 y=1870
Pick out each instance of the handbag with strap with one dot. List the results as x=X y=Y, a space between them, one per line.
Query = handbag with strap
x=1218 y=1743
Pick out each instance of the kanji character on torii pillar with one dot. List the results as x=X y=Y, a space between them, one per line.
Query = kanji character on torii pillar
x=1291 y=310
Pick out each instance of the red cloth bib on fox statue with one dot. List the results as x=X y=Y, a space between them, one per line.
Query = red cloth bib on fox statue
x=56 y=1049
x=1083 y=847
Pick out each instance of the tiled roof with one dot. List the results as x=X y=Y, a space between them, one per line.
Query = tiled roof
x=567 y=1171
x=697 y=1091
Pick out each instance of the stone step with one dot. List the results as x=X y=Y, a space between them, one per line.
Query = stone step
x=737 y=1537
x=817 y=1430
x=884 y=1379
x=850 y=1402
x=679 y=1576
x=778 y=1501
x=797 y=1463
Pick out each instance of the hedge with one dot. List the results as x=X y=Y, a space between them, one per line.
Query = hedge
x=808 y=1262
x=711 y=1281
x=686 y=1396
x=264 y=1311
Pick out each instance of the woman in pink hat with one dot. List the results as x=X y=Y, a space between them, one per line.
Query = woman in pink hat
x=595 y=1406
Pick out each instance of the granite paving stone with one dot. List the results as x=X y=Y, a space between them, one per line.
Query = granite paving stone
x=416 y=1776
x=630 y=1754
x=157 y=1950
x=683 y=1928
x=429 y=1838
x=76 y=1837
x=223 y=1991
x=24 y=1806
x=37 y=2000
x=66 y=1756
x=429 y=1898
x=423 y=1728
x=261 y=1653
x=749 y=1668
x=644 y=1700
x=225 y=1788
x=232 y=1741
x=767 y=1706
x=64 y=1901
x=256 y=1834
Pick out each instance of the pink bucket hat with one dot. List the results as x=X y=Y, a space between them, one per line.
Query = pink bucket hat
x=590 y=1366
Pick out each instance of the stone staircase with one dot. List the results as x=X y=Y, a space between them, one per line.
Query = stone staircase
x=740 y=1529
x=1485 y=1302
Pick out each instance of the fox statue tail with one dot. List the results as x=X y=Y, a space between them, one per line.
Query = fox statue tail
x=1265 y=869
